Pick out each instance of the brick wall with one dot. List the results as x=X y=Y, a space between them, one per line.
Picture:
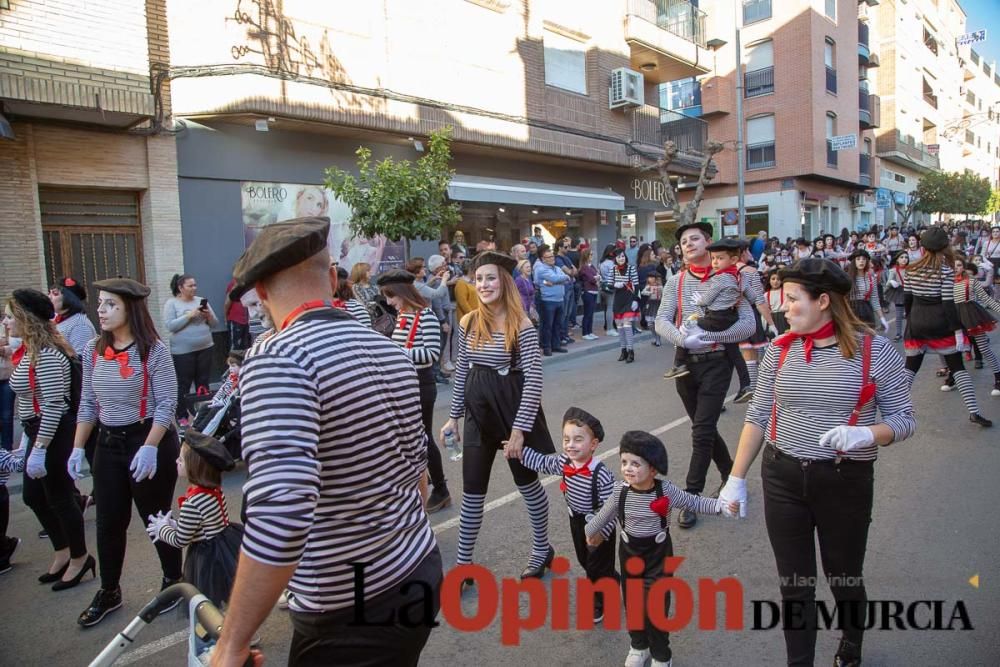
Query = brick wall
x=23 y=262
x=161 y=220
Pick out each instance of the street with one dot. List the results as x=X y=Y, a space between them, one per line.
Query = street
x=930 y=534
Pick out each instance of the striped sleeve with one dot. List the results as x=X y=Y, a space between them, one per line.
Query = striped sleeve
x=280 y=430
x=162 y=385
x=876 y=302
x=10 y=463
x=666 y=316
x=547 y=464
x=680 y=499
x=753 y=288
x=759 y=410
x=605 y=487
x=360 y=313
x=530 y=361
x=52 y=385
x=457 y=410
x=189 y=520
x=78 y=331
x=892 y=394
x=87 y=412
x=608 y=513
x=980 y=295
x=427 y=341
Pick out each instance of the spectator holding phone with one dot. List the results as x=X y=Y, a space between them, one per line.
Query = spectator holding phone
x=189 y=319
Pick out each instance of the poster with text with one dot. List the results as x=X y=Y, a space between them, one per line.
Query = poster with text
x=266 y=203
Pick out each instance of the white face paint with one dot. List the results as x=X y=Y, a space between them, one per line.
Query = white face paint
x=256 y=309
x=56 y=297
x=111 y=311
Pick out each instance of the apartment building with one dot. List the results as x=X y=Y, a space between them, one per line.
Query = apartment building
x=88 y=181
x=976 y=126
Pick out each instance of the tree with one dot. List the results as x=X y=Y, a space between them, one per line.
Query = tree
x=907 y=210
x=399 y=199
x=686 y=214
x=940 y=192
x=992 y=204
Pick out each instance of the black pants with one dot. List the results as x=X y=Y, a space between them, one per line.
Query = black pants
x=803 y=500
x=4 y=511
x=703 y=391
x=650 y=638
x=735 y=356
x=115 y=449
x=53 y=497
x=428 y=394
x=599 y=562
x=191 y=368
x=334 y=638
x=239 y=335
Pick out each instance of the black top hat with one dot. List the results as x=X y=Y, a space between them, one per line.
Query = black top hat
x=505 y=262
x=210 y=449
x=822 y=274
x=279 y=246
x=647 y=447
x=123 y=287
x=35 y=303
x=703 y=226
x=395 y=276
x=592 y=422
x=934 y=239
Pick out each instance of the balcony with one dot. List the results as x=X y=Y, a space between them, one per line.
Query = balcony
x=869 y=108
x=756 y=10
x=667 y=39
x=931 y=99
x=831 y=80
x=831 y=155
x=865 y=170
x=654 y=126
x=758 y=82
x=906 y=151
x=864 y=53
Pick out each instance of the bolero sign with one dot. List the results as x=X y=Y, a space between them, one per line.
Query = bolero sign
x=648 y=190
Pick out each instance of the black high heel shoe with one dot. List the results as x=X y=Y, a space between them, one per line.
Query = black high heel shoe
x=538 y=572
x=49 y=577
x=90 y=565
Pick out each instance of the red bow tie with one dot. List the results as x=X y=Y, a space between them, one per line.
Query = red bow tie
x=661 y=505
x=124 y=369
x=808 y=339
x=701 y=272
x=571 y=470
x=234 y=377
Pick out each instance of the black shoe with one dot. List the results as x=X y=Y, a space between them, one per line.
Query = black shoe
x=539 y=571
x=104 y=603
x=978 y=363
x=90 y=565
x=977 y=418
x=43 y=534
x=167 y=583
x=631 y=357
x=467 y=584
x=743 y=395
x=547 y=353
x=687 y=519
x=437 y=501
x=50 y=577
x=7 y=552
x=898 y=337
x=848 y=655
x=568 y=341
x=440 y=379
x=624 y=355
x=560 y=350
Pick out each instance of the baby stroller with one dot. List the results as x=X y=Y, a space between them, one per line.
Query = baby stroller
x=205 y=623
x=222 y=422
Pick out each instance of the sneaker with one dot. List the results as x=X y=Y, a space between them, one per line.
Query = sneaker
x=676 y=372
x=743 y=395
x=598 y=616
x=611 y=333
x=283 y=599
x=7 y=552
x=661 y=663
x=437 y=501
x=947 y=387
x=591 y=336
x=637 y=658
x=164 y=585
x=105 y=602
x=996 y=388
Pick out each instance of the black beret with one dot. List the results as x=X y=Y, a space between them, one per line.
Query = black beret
x=894 y=255
x=505 y=262
x=860 y=252
x=934 y=239
x=279 y=246
x=210 y=449
x=36 y=303
x=734 y=245
x=823 y=274
x=73 y=286
x=591 y=422
x=703 y=226
x=393 y=276
x=123 y=287
x=801 y=241
x=647 y=447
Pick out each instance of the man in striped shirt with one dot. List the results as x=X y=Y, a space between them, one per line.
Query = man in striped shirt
x=334 y=443
x=703 y=390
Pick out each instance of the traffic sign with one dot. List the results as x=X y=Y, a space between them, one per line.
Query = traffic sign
x=844 y=142
x=972 y=37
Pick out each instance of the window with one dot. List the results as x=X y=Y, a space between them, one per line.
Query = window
x=759 y=77
x=683 y=93
x=756 y=10
x=929 y=95
x=760 y=142
x=830 y=59
x=899 y=178
x=830 y=6
x=565 y=63
x=970 y=97
x=931 y=42
x=970 y=138
x=831 y=132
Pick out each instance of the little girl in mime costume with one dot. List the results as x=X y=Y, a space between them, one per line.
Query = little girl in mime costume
x=641 y=505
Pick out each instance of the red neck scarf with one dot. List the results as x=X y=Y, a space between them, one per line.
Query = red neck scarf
x=18 y=354
x=808 y=339
x=732 y=270
x=700 y=272
x=307 y=306
x=340 y=303
x=194 y=490
x=124 y=369
x=57 y=319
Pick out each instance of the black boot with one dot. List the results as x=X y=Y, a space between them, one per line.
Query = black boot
x=105 y=602
x=538 y=572
x=631 y=357
x=848 y=655
x=977 y=418
x=624 y=355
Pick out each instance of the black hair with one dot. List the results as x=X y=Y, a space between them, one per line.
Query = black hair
x=178 y=280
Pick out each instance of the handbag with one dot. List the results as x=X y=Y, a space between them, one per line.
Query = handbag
x=383 y=316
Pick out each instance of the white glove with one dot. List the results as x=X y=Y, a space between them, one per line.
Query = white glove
x=635 y=305
x=75 y=464
x=695 y=341
x=35 y=466
x=25 y=441
x=847 y=438
x=960 y=341
x=773 y=330
x=143 y=464
x=894 y=283
x=158 y=521
x=885 y=325
x=735 y=491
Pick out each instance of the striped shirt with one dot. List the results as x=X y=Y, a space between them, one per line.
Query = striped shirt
x=493 y=355
x=667 y=316
x=335 y=447
x=358 y=312
x=226 y=389
x=753 y=288
x=52 y=390
x=864 y=289
x=78 y=331
x=815 y=397
x=973 y=290
x=200 y=518
x=722 y=293
x=425 y=347
x=8 y=464
x=930 y=284
x=628 y=278
x=112 y=400
x=579 y=489
x=640 y=519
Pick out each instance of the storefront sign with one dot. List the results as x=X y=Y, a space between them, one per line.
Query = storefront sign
x=844 y=142
x=267 y=203
x=971 y=37
x=883 y=198
x=649 y=190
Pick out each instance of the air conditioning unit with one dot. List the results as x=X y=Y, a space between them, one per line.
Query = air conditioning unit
x=857 y=199
x=626 y=88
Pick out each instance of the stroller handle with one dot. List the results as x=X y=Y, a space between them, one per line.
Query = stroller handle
x=207 y=613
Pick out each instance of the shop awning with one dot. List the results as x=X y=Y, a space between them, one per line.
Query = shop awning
x=532 y=193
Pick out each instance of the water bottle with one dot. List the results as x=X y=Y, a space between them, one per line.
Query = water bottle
x=453 y=446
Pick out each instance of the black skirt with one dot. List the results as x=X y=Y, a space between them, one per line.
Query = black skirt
x=759 y=336
x=491 y=403
x=975 y=319
x=894 y=295
x=780 y=321
x=210 y=565
x=864 y=310
x=928 y=321
x=622 y=304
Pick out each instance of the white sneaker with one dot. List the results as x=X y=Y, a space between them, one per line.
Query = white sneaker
x=660 y=663
x=995 y=392
x=283 y=600
x=947 y=387
x=611 y=333
x=591 y=336
x=637 y=658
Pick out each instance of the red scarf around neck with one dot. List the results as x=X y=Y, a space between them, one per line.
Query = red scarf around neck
x=808 y=339
x=700 y=272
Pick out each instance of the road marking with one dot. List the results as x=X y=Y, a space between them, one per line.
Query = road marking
x=149 y=649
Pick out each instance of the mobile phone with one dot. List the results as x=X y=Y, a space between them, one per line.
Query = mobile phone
x=204 y=304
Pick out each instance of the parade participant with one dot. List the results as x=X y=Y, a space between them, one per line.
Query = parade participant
x=971 y=301
x=895 y=283
x=991 y=249
x=43 y=381
x=551 y=283
x=625 y=280
x=129 y=394
x=864 y=297
x=189 y=320
x=9 y=462
x=202 y=525
x=418 y=332
x=802 y=249
x=641 y=505
x=604 y=269
x=344 y=299
x=498 y=389
x=586 y=485
x=335 y=446
x=893 y=242
x=68 y=299
x=746 y=362
x=823 y=385
x=872 y=246
x=703 y=390
x=913 y=249
x=235 y=362
x=932 y=322
x=653 y=295
x=776 y=301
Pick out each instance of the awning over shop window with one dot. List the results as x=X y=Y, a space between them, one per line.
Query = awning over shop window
x=505 y=191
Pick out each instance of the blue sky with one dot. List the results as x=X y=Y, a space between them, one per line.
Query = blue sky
x=984 y=14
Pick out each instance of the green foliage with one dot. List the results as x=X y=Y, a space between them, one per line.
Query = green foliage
x=940 y=192
x=399 y=199
x=992 y=204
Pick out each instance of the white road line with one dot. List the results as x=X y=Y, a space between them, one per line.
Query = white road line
x=147 y=650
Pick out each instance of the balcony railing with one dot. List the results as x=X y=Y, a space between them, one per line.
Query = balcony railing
x=761 y=155
x=862 y=33
x=831 y=79
x=931 y=100
x=654 y=126
x=865 y=169
x=756 y=10
x=864 y=108
x=758 y=82
x=896 y=145
x=679 y=17
x=864 y=52
x=831 y=155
